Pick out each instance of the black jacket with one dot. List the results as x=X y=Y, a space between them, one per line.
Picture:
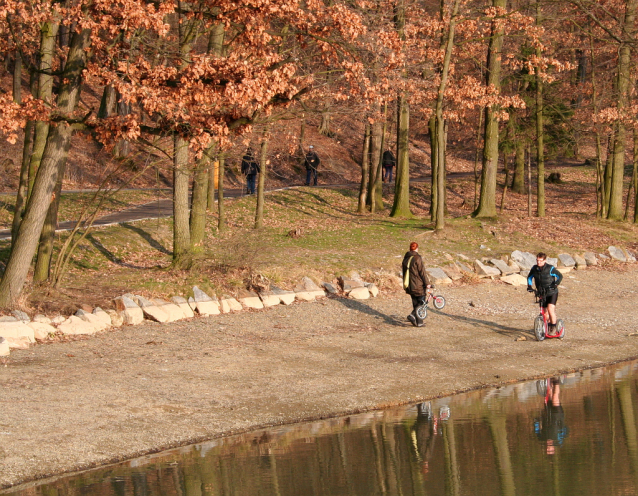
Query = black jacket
x=248 y=165
x=545 y=279
x=388 y=159
x=418 y=277
x=312 y=161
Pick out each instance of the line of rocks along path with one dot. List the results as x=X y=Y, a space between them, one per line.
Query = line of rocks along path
x=135 y=390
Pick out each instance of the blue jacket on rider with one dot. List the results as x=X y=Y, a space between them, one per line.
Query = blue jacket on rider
x=546 y=279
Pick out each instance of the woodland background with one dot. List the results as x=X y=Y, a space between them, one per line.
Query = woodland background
x=473 y=97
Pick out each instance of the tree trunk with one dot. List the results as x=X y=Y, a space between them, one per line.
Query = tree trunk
x=608 y=172
x=624 y=74
x=365 y=170
x=634 y=176
x=476 y=157
x=122 y=148
x=518 y=183
x=181 y=228
x=263 y=159
x=55 y=152
x=221 y=214
x=23 y=185
x=487 y=199
x=401 y=205
x=540 y=137
x=48 y=36
x=507 y=180
x=324 y=126
x=529 y=182
x=200 y=201
x=434 y=167
x=375 y=147
x=17 y=78
x=108 y=103
x=213 y=175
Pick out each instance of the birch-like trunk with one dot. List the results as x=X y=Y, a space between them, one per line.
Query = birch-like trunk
x=263 y=159
x=199 y=201
x=365 y=170
x=181 y=225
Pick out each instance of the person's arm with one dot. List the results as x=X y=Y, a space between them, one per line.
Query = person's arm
x=530 y=278
x=244 y=166
x=555 y=273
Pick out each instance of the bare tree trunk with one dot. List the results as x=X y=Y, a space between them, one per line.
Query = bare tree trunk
x=529 y=182
x=108 y=103
x=365 y=170
x=375 y=146
x=263 y=161
x=518 y=184
x=376 y=162
x=608 y=172
x=540 y=137
x=200 y=201
x=324 y=126
x=634 y=176
x=213 y=177
x=487 y=199
x=181 y=228
x=221 y=213
x=17 y=77
x=623 y=84
x=600 y=194
x=23 y=185
x=476 y=157
x=56 y=151
x=401 y=205
x=434 y=166
x=507 y=180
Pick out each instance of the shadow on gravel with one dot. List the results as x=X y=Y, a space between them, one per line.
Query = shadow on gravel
x=492 y=326
x=361 y=307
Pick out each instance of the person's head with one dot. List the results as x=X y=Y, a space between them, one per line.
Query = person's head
x=414 y=246
x=311 y=148
x=541 y=258
x=249 y=151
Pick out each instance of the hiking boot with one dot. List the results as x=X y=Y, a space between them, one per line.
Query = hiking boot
x=412 y=319
x=419 y=322
x=551 y=329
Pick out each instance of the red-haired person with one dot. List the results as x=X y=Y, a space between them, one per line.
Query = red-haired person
x=415 y=281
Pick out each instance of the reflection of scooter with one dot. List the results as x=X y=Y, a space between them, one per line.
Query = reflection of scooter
x=550 y=427
x=425 y=410
x=424 y=432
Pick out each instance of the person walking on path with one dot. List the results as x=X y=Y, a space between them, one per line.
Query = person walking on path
x=312 y=164
x=388 y=161
x=415 y=281
x=250 y=168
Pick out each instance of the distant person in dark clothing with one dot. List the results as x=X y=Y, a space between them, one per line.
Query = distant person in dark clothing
x=250 y=168
x=388 y=161
x=415 y=282
x=312 y=164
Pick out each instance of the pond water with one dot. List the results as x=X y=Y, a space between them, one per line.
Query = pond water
x=571 y=435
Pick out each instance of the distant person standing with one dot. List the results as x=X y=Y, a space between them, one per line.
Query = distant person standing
x=312 y=164
x=415 y=281
x=388 y=161
x=250 y=168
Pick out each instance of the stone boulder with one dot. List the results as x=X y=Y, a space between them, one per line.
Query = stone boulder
x=74 y=325
x=173 y=311
x=269 y=299
x=552 y=261
x=285 y=297
x=250 y=300
x=524 y=260
x=581 y=263
x=590 y=258
x=360 y=293
x=21 y=316
x=58 y=319
x=566 y=260
x=437 y=276
x=42 y=319
x=16 y=330
x=8 y=318
x=464 y=268
x=348 y=284
x=102 y=315
x=502 y=266
x=116 y=318
x=4 y=347
x=21 y=343
x=306 y=284
x=131 y=313
x=41 y=331
x=95 y=321
x=372 y=288
x=150 y=309
x=230 y=304
x=629 y=256
x=330 y=288
x=514 y=280
x=616 y=254
x=602 y=256
x=484 y=270
x=182 y=303
x=205 y=304
x=452 y=271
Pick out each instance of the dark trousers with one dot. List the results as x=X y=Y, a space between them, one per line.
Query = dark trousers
x=311 y=174
x=417 y=301
x=387 y=174
x=250 y=183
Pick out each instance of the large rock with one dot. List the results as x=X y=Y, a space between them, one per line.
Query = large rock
x=437 y=276
x=581 y=263
x=116 y=318
x=629 y=256
x=452 y=271
x=269 y=299
x=616 y=254
x=348 y=284
x=359 y=293
x=250 y=300
x=21 y=316
x=372 y=288
x=590 y=258
x=75 y=325
x=95 y=321
x=21 y=343
x=205 y=304
x=515 y=269
x=464 y=268
x=150 y=309
x=102 y=316
x=173 y=311
x=42 y=319
x=566 y=260
x=58 y=319
x=285 y=297
x=307 y=284
x=8 y=318
x=16 y=330
x=552 y=261
x=306 y=295
x=41 y=331
x=502 y=266
x=330 y=288
x=182 y=303
x=230 y=304
x=523 y=259
x=514 y=280
x=131 y=313
x=4 y=347
x=484 y=270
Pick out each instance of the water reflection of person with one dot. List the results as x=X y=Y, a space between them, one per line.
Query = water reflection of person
x=551 y=428
x=424 y=433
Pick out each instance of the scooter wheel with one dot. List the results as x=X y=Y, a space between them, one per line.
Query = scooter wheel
x=539 y=328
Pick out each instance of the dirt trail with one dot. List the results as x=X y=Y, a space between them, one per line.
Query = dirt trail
x=119 y=394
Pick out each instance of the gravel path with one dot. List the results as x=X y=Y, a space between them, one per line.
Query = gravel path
x=123 y=393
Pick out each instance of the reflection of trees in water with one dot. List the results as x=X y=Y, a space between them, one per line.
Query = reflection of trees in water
x=488 y=438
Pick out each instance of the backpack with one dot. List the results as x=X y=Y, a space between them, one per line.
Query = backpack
x=406 y=276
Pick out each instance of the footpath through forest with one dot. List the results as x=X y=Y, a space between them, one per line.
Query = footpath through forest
x=73 y=405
